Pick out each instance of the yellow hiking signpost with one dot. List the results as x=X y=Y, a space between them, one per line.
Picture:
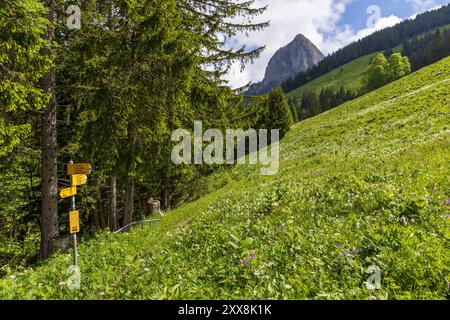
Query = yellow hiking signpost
x=68 y=192
x=78 y=168
x=78 y=179
x=78 y=176
x=74 y=222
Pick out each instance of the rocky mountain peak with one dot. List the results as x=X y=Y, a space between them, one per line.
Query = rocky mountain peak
x=297 y=56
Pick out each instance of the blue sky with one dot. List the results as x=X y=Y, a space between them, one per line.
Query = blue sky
x=329 y=24
x=355 y=13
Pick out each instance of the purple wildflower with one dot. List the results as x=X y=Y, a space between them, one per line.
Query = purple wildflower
x=338 y=244
x=247 y=261
x=244 y=262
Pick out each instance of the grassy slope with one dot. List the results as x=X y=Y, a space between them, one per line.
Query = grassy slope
x=370 y=175
x=348 y=76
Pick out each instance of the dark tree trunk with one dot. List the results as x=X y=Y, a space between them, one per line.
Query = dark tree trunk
x=129 y=202
x=166 y=193
x=129 y=188
x=49 y=208
x=98 y=210
x=113 y=204
x=143 y=202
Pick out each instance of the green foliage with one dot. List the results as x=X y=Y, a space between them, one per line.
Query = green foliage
x=19 y=198
x=382 y=71
x=377 y=73
x=279 y=114
x=397 y=67
x=294 y=112
x=22 y=64
x=429 y=48
x=363 y=184
x=313 y=103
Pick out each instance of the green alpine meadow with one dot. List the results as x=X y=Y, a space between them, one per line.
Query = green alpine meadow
x=225 y=155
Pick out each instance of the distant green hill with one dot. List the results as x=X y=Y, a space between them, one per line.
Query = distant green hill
x=348 y=76
x=360 y=187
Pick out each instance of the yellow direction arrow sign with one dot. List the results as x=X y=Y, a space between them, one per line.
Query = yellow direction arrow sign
x=68 y=192
x=74 y=222
x=79 y=168
x=79 y=179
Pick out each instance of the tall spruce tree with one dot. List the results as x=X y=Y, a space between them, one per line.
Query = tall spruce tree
x=49 y=164
x=294 y=112
x=280 y=116
x=21 y=66
x=24 y=60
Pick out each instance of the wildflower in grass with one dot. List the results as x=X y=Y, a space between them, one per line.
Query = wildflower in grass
x=246 y=261
x=350 y=252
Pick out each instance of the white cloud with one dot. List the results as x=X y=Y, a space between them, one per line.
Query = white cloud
x=316 y=19
x=422 y=5
x=348 y=35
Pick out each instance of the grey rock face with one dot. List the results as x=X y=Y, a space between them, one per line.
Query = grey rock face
x=297 y=56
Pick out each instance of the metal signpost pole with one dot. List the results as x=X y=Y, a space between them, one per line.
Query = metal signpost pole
x=74 y=239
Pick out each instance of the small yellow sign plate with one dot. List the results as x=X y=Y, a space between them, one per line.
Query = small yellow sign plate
x=74 y=221
x=68 y=192
x=79 y=168
x=78 y=179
